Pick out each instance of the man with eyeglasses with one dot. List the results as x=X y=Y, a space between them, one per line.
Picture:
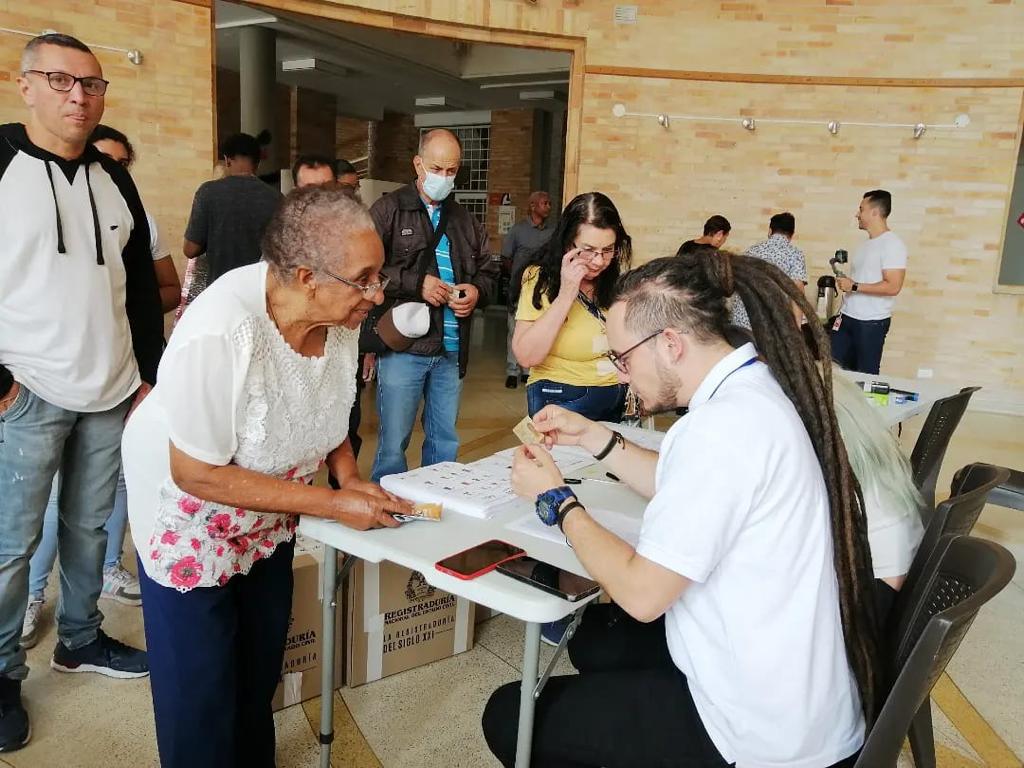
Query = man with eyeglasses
x=436 y=252
x=82 y=337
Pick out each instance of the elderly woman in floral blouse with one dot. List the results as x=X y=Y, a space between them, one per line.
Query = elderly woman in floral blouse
x=253 y=397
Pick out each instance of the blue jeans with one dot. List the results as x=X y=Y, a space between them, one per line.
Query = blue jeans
x=596 y=403
x=41 y=564
x=857 y=345
x=215 y=656
x=36 y=439
x=403 y=381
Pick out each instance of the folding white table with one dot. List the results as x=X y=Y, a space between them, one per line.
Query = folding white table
x=929 y=390
x=419 y=545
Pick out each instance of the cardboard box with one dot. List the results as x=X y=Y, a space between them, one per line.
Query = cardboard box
x=300 y=671
x=397 y=621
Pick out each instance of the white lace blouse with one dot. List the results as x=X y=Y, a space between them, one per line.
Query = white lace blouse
x=230 y=390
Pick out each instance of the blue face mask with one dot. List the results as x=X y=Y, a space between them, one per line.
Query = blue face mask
x=438 y=187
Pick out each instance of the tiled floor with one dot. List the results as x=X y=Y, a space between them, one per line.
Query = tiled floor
x=430 y=716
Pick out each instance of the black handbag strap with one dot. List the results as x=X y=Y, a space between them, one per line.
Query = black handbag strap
x=431 y=249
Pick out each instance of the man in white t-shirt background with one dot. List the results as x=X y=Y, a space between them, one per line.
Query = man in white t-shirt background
x=878 y=269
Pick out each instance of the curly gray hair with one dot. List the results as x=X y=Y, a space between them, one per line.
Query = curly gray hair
x=311 y=228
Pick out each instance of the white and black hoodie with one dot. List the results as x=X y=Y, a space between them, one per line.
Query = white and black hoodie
x=80 y=316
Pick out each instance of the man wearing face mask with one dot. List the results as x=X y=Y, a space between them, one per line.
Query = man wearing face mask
x=453 y=274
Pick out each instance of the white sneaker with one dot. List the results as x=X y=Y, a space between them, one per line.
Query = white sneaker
x=120 y=585
x=30 y=629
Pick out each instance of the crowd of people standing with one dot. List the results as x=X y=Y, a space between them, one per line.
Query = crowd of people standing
x=208 y=444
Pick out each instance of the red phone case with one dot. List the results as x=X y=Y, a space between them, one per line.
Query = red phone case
x=482 y=571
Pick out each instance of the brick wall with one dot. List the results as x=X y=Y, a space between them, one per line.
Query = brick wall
x=511 y=164
x=316 y=114
x=351 y=138
x=948 y=194
x=393 y=144
x=951 y=190
x=163 y=105
x=285 y=127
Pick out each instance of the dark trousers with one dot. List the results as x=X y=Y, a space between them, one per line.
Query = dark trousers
x=596 y=403
x=857 y=345
x=215 y=657
x=629 y=706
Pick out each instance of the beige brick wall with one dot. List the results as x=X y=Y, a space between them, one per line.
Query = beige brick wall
x=950 y=189
x=164 y=106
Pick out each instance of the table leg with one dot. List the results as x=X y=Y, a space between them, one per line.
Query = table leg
x=329 y=589
x=527 y=702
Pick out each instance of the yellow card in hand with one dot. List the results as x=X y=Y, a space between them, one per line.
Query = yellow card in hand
x=527 y=433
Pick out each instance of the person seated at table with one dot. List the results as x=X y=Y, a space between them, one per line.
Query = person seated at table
x=253 y=396
x=560 y=321
x=745 y=631
x=892 y=502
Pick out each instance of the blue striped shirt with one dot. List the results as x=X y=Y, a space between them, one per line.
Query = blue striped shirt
x=447 y=274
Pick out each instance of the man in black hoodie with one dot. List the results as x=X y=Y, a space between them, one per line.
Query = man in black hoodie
x=80 y=338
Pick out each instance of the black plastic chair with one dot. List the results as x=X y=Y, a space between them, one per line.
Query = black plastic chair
x=965 y=575
x=931 y=445
x=955 y=516
x=1009 y=493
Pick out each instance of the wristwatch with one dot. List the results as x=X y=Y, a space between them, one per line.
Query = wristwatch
x=553 y=505
x=855 y=287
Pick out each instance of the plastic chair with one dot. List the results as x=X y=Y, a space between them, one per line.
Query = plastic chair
x=955 y=516
x=1009 y=493
x=926 y=459
x=965 y=575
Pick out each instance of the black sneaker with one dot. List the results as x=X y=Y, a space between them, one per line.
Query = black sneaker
x=104 y=655
x=511 y=382
x=15 y=730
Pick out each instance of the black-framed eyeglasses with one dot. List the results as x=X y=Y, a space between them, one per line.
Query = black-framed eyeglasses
x=368 y=290
x=63 y=82
x=619 y=358
x=588 y=252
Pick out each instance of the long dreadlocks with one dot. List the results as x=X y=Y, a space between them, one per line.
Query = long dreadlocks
x=699 y=284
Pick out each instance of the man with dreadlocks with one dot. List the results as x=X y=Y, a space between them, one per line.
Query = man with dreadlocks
x=743 y=629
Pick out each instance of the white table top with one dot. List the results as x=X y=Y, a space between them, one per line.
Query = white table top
x=930 y=390
x=419 y=545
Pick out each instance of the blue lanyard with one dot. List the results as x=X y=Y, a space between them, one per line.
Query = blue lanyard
x=730 y=373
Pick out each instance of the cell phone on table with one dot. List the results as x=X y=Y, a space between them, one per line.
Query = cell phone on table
x=554 y=581
x=478 y=560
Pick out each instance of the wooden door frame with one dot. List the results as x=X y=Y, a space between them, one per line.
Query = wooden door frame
x=575 y=46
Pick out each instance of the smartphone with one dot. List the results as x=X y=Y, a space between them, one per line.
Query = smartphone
x=552 y=580
x=478 y=560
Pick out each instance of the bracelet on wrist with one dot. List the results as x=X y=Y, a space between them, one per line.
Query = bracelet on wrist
x=615 y=438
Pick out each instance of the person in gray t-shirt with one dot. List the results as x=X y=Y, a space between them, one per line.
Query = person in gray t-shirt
x=517 y=246
x=229 y=214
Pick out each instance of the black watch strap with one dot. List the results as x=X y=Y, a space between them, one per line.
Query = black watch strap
x=616 y=438
x=565 y=511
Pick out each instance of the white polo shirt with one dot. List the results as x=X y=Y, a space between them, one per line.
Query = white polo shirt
x=741 y=510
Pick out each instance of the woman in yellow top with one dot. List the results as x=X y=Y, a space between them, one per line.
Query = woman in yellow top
x=560 y=327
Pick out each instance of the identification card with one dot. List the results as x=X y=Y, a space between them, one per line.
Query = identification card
x=837 y=323
x=527 y=433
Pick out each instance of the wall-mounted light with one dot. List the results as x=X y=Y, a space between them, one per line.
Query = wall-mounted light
x=751 y=124
x=134 y=54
